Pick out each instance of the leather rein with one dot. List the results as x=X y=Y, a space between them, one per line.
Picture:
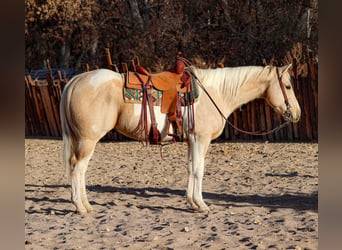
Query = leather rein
x=288 y=114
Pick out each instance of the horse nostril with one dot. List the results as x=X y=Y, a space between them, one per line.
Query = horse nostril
x=296 y=118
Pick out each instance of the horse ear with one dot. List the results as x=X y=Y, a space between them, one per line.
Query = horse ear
x=285 y=68
x=269 y=69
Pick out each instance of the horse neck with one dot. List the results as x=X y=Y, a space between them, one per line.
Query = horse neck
x=236 y=86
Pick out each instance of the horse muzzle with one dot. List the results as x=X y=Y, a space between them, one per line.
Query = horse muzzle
x=289 y=117
x=296 y=119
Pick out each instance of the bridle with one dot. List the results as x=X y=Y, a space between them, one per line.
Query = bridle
x=287 y=116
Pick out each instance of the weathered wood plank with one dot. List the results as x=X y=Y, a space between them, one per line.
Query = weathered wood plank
x=44 y=129
x=268 y=122
x=109 y=59
x=262 y=118
x=54 y=100
x=46 y=101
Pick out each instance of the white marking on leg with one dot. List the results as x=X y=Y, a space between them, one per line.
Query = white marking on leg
x=76 y=183
x=190 y=189
x=84 y=165
x=198 y=171
x=78 y=189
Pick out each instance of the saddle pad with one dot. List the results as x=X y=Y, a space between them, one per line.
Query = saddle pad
x=135 y=96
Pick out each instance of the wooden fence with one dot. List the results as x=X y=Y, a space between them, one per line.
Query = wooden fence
x=43 y=91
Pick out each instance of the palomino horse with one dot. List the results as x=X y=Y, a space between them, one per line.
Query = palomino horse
x=92 y=104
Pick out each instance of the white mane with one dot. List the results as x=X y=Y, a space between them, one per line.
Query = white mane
x=228 y=80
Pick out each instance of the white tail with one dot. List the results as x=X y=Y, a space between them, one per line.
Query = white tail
x=68 y=150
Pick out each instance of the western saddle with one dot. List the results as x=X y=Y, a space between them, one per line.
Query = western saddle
x=171 y=83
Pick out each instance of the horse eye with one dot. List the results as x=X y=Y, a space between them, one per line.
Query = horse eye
x=288 y=87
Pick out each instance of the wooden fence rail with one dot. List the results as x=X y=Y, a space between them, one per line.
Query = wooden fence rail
x=43 y=91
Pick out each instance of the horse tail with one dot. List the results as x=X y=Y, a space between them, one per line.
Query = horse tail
x=67 y=134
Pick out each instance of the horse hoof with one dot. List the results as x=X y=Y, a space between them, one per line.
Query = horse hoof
x=90 y=209
x=83 y=212
x=192 y=205
x=205 y=209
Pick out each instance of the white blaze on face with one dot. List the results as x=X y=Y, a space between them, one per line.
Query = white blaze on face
x=101 y=76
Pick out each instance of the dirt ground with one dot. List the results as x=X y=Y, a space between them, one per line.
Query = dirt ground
x=261 y=195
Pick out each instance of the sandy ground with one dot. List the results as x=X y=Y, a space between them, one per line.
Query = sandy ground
x=261 y=195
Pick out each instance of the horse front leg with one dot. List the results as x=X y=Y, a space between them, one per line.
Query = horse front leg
x=198 y=149
x=191 y=179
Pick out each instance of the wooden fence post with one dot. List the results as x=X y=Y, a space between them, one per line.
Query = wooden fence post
x=47 y=105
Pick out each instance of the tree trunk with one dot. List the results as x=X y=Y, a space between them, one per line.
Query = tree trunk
x=65 y=53
x=93 y=50
x=136 y=17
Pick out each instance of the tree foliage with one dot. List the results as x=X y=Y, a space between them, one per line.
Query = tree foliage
x=71 y=33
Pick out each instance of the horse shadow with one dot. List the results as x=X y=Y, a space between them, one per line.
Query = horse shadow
x=297 y=201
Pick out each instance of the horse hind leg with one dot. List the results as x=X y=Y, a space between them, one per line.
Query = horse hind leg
x=80 y=163
x=84 y=198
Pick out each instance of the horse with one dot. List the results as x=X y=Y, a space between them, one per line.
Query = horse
x=92 y=104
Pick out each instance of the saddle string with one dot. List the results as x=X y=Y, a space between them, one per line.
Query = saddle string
x=142 y=130
x=257 y=133
x=189 y=100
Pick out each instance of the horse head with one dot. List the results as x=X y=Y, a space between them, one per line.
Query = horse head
x=280 y=94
